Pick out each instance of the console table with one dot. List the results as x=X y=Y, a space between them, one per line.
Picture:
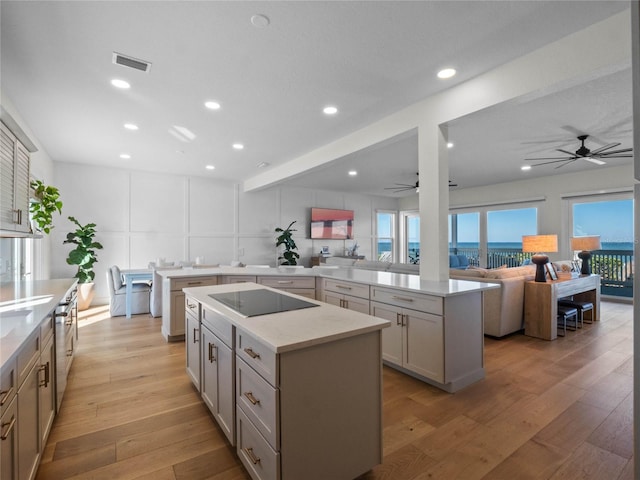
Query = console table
x=541 y=302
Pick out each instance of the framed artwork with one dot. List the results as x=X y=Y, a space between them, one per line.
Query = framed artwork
x=325 y=250
x=551 y=271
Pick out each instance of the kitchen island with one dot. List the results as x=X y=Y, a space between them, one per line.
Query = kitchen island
x=298 y=391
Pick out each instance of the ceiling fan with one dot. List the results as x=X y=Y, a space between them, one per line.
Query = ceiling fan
x=403 y=187
x=596 y=156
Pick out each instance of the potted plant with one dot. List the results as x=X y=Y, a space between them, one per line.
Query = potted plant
x=46 y=201
x=84 y=256
x=285 y=238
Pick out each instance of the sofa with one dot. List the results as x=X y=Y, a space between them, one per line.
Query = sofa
x=503 y=307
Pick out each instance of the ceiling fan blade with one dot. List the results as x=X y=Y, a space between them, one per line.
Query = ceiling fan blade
x=555 y=161
x=549 y=158
x=602 y=149
x=594 y=160
x=615 y=156
x=614 y=152
x=572 y=154
x=566 y=163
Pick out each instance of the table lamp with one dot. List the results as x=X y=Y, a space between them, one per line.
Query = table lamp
x=586 y=245
x=538 y=244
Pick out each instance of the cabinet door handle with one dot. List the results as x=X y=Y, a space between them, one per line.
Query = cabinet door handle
x=252 y=456
x=399 y=319
x=195 y=335
x=404 y=299
x=251 y=398
x=212 y=357
x=70 y=353
x=5 y=395
x=405 y=320
x=251 y=353
x=11 y=424
x=44 y=368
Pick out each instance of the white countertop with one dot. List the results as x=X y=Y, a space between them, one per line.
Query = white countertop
x=23 y=306
x=293 y=330
x=402 y=281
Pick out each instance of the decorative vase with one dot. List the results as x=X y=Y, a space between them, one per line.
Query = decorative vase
x=86 y=292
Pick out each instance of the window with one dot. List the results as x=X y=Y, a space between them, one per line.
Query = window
x=464 y=236
x=505 y=229
x=611 y=217
x=385 y=235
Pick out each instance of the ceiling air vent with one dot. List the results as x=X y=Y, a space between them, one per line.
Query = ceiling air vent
x=131 y=62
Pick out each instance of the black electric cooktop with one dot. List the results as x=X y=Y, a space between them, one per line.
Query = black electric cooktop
x=252 y=303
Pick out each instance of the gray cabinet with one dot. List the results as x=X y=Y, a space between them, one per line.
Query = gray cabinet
x=173 y=303
x=192 y=341
x=14 y=183
x=9 y=439
x=218 y=369
x=349 y=295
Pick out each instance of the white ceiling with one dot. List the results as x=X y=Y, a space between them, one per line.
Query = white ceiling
x=367 y=58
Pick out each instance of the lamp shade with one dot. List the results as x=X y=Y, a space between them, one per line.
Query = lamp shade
x=539 y=243
x=588 y=244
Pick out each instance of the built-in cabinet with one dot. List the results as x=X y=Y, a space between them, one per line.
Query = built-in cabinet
x=218 y=370
x=349 y=295
x=14 y=183
x=303 y=286
x=173 y=311
x=192 y=340
x=27 y=404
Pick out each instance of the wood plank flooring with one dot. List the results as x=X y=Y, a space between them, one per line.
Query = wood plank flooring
x=546 y=410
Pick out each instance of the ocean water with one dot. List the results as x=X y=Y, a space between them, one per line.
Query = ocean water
x=386 y=246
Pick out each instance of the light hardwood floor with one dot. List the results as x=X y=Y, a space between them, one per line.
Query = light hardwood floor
x=546 y=410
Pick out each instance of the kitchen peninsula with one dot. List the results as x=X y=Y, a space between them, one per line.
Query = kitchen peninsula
x=295 y=383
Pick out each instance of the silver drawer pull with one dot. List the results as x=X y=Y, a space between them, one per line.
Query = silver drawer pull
x=251 y=353
x=251 y=398
x=6 y=394
x=5 y=435
x=284 y=282
x=343 y=287
x=252 y=456
x=404 y=299
x=194 y=283
x=191 y=306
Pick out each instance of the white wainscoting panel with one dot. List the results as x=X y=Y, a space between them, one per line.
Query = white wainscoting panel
x=219 y=250
x=212 y=207
x=258 y=212
x=158 y=203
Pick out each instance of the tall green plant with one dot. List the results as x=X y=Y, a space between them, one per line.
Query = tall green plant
x=84 y=255
x=42 y=207
x=285 y=238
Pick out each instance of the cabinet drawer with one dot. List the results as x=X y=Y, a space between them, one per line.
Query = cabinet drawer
x=192 y=307
x=238 y=279
x=8 y=384
x=262 y=462
x=402 y=298
x=27 y=356
x=287 y=282
x=180 y=283
x=257 y=356
x=219 y=325
x=303 y=292
x=259 y=401
x=348 y=288
x=46 y=328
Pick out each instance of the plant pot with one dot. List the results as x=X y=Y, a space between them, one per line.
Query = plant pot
x=86 y=292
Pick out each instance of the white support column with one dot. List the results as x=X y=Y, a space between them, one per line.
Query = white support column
x=433 y=200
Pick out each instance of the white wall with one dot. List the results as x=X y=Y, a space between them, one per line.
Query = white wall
x=142 y=216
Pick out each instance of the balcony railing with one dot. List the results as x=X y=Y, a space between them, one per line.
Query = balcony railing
x=615 y=267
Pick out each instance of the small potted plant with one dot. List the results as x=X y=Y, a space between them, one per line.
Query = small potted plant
x=289 y=256
x=84 y=256
x=46 y=201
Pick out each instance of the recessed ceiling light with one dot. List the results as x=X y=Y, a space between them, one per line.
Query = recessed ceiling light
x=263 y=165
x=330 y=110
x=449 y=145
x=212 y=105
x=446 y=73
x=353 y=173
x=238 y=146
x=525 y=167
x=260 y=20
x=126 y=156
x=210 y=167
x=116 y=82
x=130 y=126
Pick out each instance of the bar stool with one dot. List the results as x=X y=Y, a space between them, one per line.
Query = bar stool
x=564 y=314
x=581 y=306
